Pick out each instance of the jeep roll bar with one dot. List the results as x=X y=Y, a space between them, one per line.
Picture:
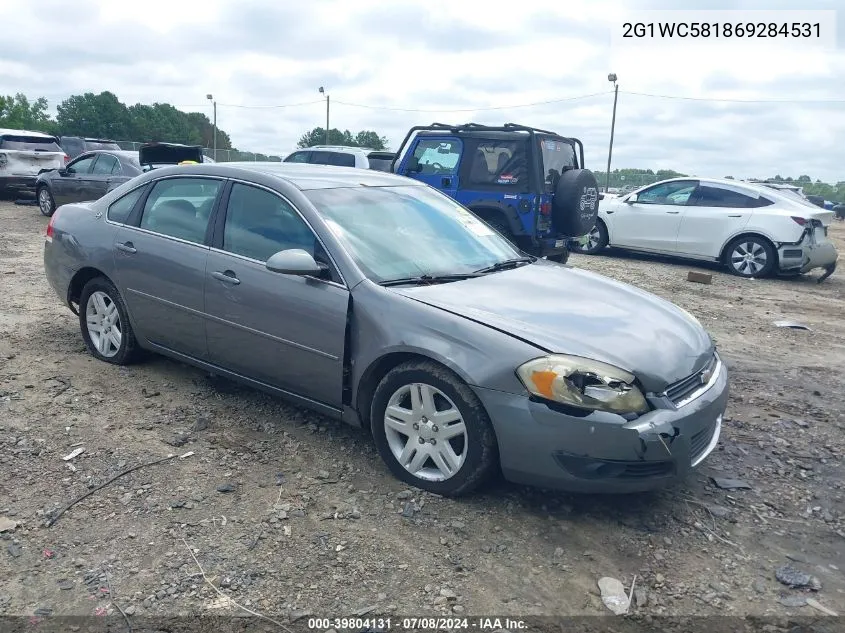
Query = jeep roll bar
x=478 y=127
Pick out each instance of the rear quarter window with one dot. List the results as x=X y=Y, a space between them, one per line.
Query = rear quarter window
x=120 y=209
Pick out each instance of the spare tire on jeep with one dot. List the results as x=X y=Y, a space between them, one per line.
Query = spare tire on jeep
x=576 y=203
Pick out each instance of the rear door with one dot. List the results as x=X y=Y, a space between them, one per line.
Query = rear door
x=160 y=257
x=434 y=160
x=70 y=183
x=713 y=214
x=652 y=221
x=98 y=181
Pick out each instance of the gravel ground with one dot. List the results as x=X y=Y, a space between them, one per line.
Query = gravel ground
x=290 y=513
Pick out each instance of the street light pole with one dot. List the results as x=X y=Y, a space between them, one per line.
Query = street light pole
x=611 y=77
x=214 y=138
x=322 y=91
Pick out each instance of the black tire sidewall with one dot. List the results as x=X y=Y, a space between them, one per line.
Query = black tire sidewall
x=127 y=343
x=603 y=241
x=771 y=256
x=52 y=201
x=482 y=455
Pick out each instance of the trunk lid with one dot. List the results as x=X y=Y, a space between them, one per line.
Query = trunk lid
x=158 y=154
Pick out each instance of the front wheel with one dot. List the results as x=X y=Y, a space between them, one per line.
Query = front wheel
x=431 y=429
x=750 y=256
x=46 y=202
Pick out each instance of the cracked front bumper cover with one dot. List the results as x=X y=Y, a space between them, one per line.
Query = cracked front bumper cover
x=600 y=452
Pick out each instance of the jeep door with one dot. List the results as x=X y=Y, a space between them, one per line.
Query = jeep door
x=434 y=161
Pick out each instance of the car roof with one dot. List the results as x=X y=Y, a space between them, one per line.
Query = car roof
x=303 y=176
x=120 y=153
x=346 y=149
x=11 y=132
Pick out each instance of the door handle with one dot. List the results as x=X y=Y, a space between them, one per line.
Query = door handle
x=737 y=215
x=673 y=212
x=228 y=277
x=127 y=247
x=447 y=182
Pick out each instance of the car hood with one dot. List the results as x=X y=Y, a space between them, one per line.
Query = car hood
x=570 y=311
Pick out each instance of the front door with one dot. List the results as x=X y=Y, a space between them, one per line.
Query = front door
x=97 y=182
x=68 y=186
x=160 y=264
x=652 y=221
x=287 y=331
x=434 y=161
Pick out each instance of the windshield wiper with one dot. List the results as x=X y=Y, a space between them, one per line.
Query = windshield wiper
x=508 y=263
x=427 y=279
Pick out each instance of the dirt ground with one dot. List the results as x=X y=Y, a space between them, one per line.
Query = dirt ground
x=313 y=523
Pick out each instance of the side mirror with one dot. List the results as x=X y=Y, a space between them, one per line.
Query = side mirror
x=294 y=261
x=65 y=171
x=631 y=199
x=601 y=196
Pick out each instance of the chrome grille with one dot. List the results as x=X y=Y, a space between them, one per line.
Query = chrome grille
x=678 y=393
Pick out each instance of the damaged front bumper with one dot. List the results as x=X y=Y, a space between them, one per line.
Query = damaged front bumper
x=813 y=251
x=602 y=452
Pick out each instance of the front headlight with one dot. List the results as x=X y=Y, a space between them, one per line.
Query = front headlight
x=583 y=383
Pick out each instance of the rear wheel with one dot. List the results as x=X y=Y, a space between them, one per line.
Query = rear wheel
x=104 y=322
x=46 y=202
x=596 y=241
x=431 y=430
x=499 y=224
x=750 y=256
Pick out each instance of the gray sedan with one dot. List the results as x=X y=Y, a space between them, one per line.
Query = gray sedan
x=379 y=301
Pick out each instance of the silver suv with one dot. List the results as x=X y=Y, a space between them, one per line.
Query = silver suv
x=343 y=156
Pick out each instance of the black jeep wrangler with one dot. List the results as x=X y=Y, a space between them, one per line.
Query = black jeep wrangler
x=527 y=183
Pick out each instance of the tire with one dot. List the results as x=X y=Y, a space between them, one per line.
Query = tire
x=474 y=452
x=750 y=256
x=102 y=302
x=45 y=201
x=598 y=240
x=575 y=205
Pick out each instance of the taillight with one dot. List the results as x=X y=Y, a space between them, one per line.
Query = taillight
x=546 y=208
x=799 y=221
x=67 y=159
x=49 y=233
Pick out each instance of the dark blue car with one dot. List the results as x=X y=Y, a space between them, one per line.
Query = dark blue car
x=528 y=184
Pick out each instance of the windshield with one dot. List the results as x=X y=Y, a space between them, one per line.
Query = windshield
x=408 y=231
x=29 y=143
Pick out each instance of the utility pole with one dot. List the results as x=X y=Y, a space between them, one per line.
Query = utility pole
x=611 y=77
x=322 y=91
x=214 y=138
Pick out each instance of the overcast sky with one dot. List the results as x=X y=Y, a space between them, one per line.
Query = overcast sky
x=441 y=56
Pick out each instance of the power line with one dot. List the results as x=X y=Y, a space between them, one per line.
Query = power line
x=722 y=100
x=507 y=107
x=283 y=105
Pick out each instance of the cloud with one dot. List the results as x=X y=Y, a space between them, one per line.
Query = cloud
x=454 y=62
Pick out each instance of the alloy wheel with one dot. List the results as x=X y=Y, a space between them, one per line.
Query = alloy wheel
x=44 y=202
x=103 y=322
x=425 y=432
x=749 y=258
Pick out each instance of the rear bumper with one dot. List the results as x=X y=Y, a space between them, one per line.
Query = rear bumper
x=807 y=255
x=18 y=182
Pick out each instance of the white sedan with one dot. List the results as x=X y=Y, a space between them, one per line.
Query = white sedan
x=752 y=229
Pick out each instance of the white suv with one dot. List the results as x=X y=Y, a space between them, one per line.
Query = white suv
x=343 y=156
x=24 y=155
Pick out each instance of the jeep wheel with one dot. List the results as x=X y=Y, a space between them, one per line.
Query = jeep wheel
x=499 y=224
x=576 y=202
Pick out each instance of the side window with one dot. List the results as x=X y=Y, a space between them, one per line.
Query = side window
x=435 y=157
x=177 y=207
x=297 y=157
x=498 y=163
x=320 y=158
x=105 y=164
x=82 y=166
x=671 y=193
x=120 y=209
x=342 y=159
x=260 y=223
x=707 y=196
